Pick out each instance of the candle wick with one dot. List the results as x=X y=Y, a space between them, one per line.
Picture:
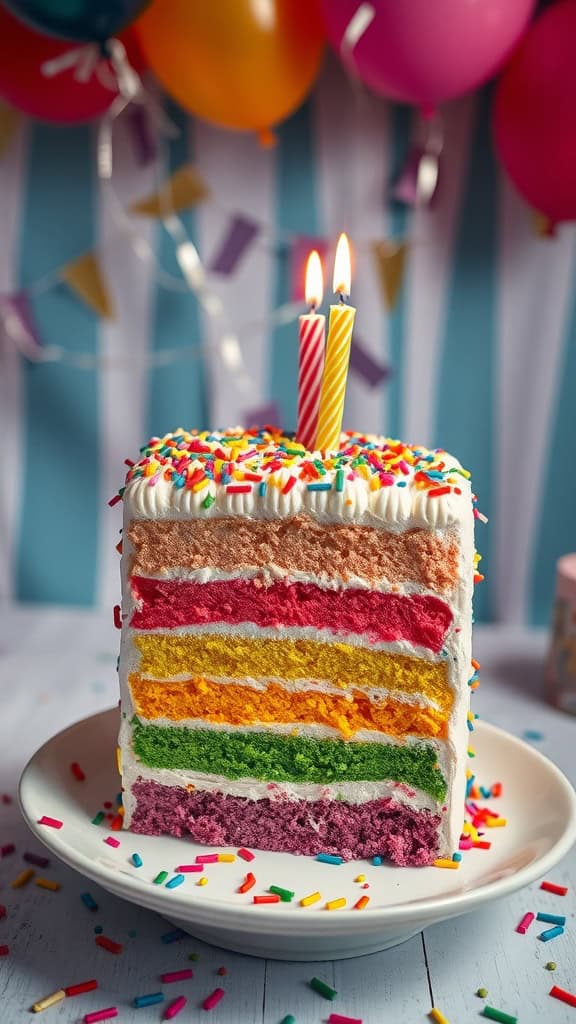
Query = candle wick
x=342 y=298
x=313 y=307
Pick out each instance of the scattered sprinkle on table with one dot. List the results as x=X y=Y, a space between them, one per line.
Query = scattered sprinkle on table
x=307 y=901
x=174 y=1007
x=110 y=841
x=482 y=992
x=289 y=1019
x=22 y=879
x=558 y=890
x=273 y=898
x=551 y=918
x=137 y=860
x=187 y=869
x=48 y=883
x=226 y=858
x=328 y=858
x=360 y=878
x=173 y=936
x=160 y=877
x=148 y=1000
x=361 y=903
x=565 y=997
x=175 y=881
x=323 y=989
x=444 y=862
x=525 y=923
x=207 y=858
x=336 y=904
x=202 y=881
x=7 y=849
x=551 y=933
x=550 y=966
x=2 y=911
x=532 y=734
x=35 y=858
x=438 y=1016
x=248 y=883
x=4 y=950
x=493 y=1014
x=48 y=1001
x=172 y=976
x=50 y=822
x=212 y=1000
x=98 y=818
x=89 y=901
x=286 y=895
x=109 y=944
x=222 y=972
x=81 y=987
x=107 y=1014
x=338 y=1018
x=77 y=771
x=245 y=854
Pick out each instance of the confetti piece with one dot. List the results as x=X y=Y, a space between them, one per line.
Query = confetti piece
x=558 y=890
x=137 y=860
x=51 y=1000
x=482 y=992
x=77 y=771
x=550 y=966
x=114 y=843
x=499 y=1015
x=328 y=858
x=551 y=918
x=307 y=901
x=50 y=822
x=6 y=850
x=98 y=818
x=160 y=877
x=560 y=993
x=22 y=879
x=551 y=933
x=361 y=903
x=174 y=936
x=174 y=1007
x=189 y=868
x=323 y=989
x=525 y=923
x=93 y=1018
x=248 y=883
x=148 y=1000
x=286 y=895
x=336 y=904
x=48 y=883
x=245 y=854
x=172 y=976
x=443 y=862
x=35 y=858
x=81 y=987
x=207 y=858
x=4 y=950
x=438 y=1016
x=109 y=944
x=212 y=1000
x=88 y=901
x=175 y=882
x=338 y=1018
x=266 y=899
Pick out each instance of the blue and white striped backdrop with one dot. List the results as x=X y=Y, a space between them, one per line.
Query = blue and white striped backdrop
x=482 y=340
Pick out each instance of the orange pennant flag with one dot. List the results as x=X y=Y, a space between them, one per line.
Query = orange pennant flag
x=390 y=259
x=85 y=279
x=184 y=188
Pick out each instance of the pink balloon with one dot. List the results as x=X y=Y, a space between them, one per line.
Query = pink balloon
x=428 y=51
x=534 y=112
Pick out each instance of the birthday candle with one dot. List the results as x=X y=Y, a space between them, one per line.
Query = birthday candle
x=312 y=331
x=337 y=354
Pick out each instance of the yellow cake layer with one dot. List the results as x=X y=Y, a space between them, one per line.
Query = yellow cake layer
x=164 y=656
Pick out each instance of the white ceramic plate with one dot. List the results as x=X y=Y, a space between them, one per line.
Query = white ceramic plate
x=538 y=801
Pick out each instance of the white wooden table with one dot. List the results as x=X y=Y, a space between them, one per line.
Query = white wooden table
x=58 y=666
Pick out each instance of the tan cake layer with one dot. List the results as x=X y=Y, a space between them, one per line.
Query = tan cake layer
x=299 y=544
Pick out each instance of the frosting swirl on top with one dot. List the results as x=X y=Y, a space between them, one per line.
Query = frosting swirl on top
x=267 y=474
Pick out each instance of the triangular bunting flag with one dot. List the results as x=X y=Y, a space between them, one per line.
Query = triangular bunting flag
x=240 y=234
x=262 y=415
x=390 y=257
x=85 y=279
x=364 y=365
x=184 y=188
x=8 y=121
x=17 y=320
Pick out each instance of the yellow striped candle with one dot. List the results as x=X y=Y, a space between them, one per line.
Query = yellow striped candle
x=337 y=357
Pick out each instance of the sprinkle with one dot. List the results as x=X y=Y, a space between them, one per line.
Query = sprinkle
x=307 y=901
x=329 y=858
x=116 y=823
x=560 y=993
x=44 y=1004
x=336 y=904
x=48 y=883
x=194 y=956
x=338 y=1018
x=323 y=989
x=499 y=1015
x=208 y=501
x=438 y=1016
x=6 y=850
x=35 y=858
x=532 y=734
x=319 y=487
x=339 y=480
x=174 y=1007
x=222 y=972
x=497 y=789
x=4 y=950
x=81 y=987
x=207 y=858
x=114 y=501
x=174 y=936
x=51 y=822
x=187 y=869
x=376 y=861
x=149 y=1000
x=457 y=857
x=550 y=966
x=482 y=992
x=360 y=878
x=266 y=899
x=106 y=943
x=175 y=882
x=551 y=933
x=248 y=883
x=239 y=489
x=2 y=911
x=110 y=841
x=496 y=822
x=289 y=1019
x=160 y=877
x=444 y=862
x=202 y=881
x=525 y=923
x=245 y=854
x=137 y=860
x=171 y=976
x=361 y=903
x=558 y=890
x=551 y=918
x=286 y=895
x=226 y=858
x=92 y=1018
x=98 y=818
x=481 y=844
x=6 y=799
x=22 y=879
x=211 y=1001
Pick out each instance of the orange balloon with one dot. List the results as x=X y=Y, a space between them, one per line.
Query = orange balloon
x=244 y=64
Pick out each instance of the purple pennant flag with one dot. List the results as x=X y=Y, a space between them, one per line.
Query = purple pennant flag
x=263 y=415
x=300 y=251
x=18 y=323
x=241 y=233
x=143 y=138
x=405 y=189
x=365 y=366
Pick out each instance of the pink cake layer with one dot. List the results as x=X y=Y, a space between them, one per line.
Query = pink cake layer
x=418 y=618
x=377 y=827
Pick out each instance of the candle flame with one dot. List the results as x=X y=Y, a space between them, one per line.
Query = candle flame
x=342 y=270
x=314 y=280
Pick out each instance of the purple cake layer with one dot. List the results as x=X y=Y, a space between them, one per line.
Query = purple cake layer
x=378 y=827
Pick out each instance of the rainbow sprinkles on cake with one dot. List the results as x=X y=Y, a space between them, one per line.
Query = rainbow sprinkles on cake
x=296 y=644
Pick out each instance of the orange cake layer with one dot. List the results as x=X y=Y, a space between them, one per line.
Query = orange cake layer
x=235 y=704
x=298 y=544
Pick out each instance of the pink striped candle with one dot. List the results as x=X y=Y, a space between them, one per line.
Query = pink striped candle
x=312 y=330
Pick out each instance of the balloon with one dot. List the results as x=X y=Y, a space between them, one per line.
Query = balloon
x=428 y=51
x=243 y=64
x=534 y=114
x=59 y=98
x=83 y=20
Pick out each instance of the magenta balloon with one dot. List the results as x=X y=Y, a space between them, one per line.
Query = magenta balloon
x=534 y=112
x=428 y=51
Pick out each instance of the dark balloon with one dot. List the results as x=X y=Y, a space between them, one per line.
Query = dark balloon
x=84 y=21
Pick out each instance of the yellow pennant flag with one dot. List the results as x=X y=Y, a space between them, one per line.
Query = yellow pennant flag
x=184 y=188
x=390 y=258
x=8 y=121
x=85 y=279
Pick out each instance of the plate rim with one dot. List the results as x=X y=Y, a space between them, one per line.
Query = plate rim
x=220 y=913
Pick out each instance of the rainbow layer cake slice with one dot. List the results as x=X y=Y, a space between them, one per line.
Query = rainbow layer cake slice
x=296 y=644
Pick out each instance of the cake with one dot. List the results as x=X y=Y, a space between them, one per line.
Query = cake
x=296 y=644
